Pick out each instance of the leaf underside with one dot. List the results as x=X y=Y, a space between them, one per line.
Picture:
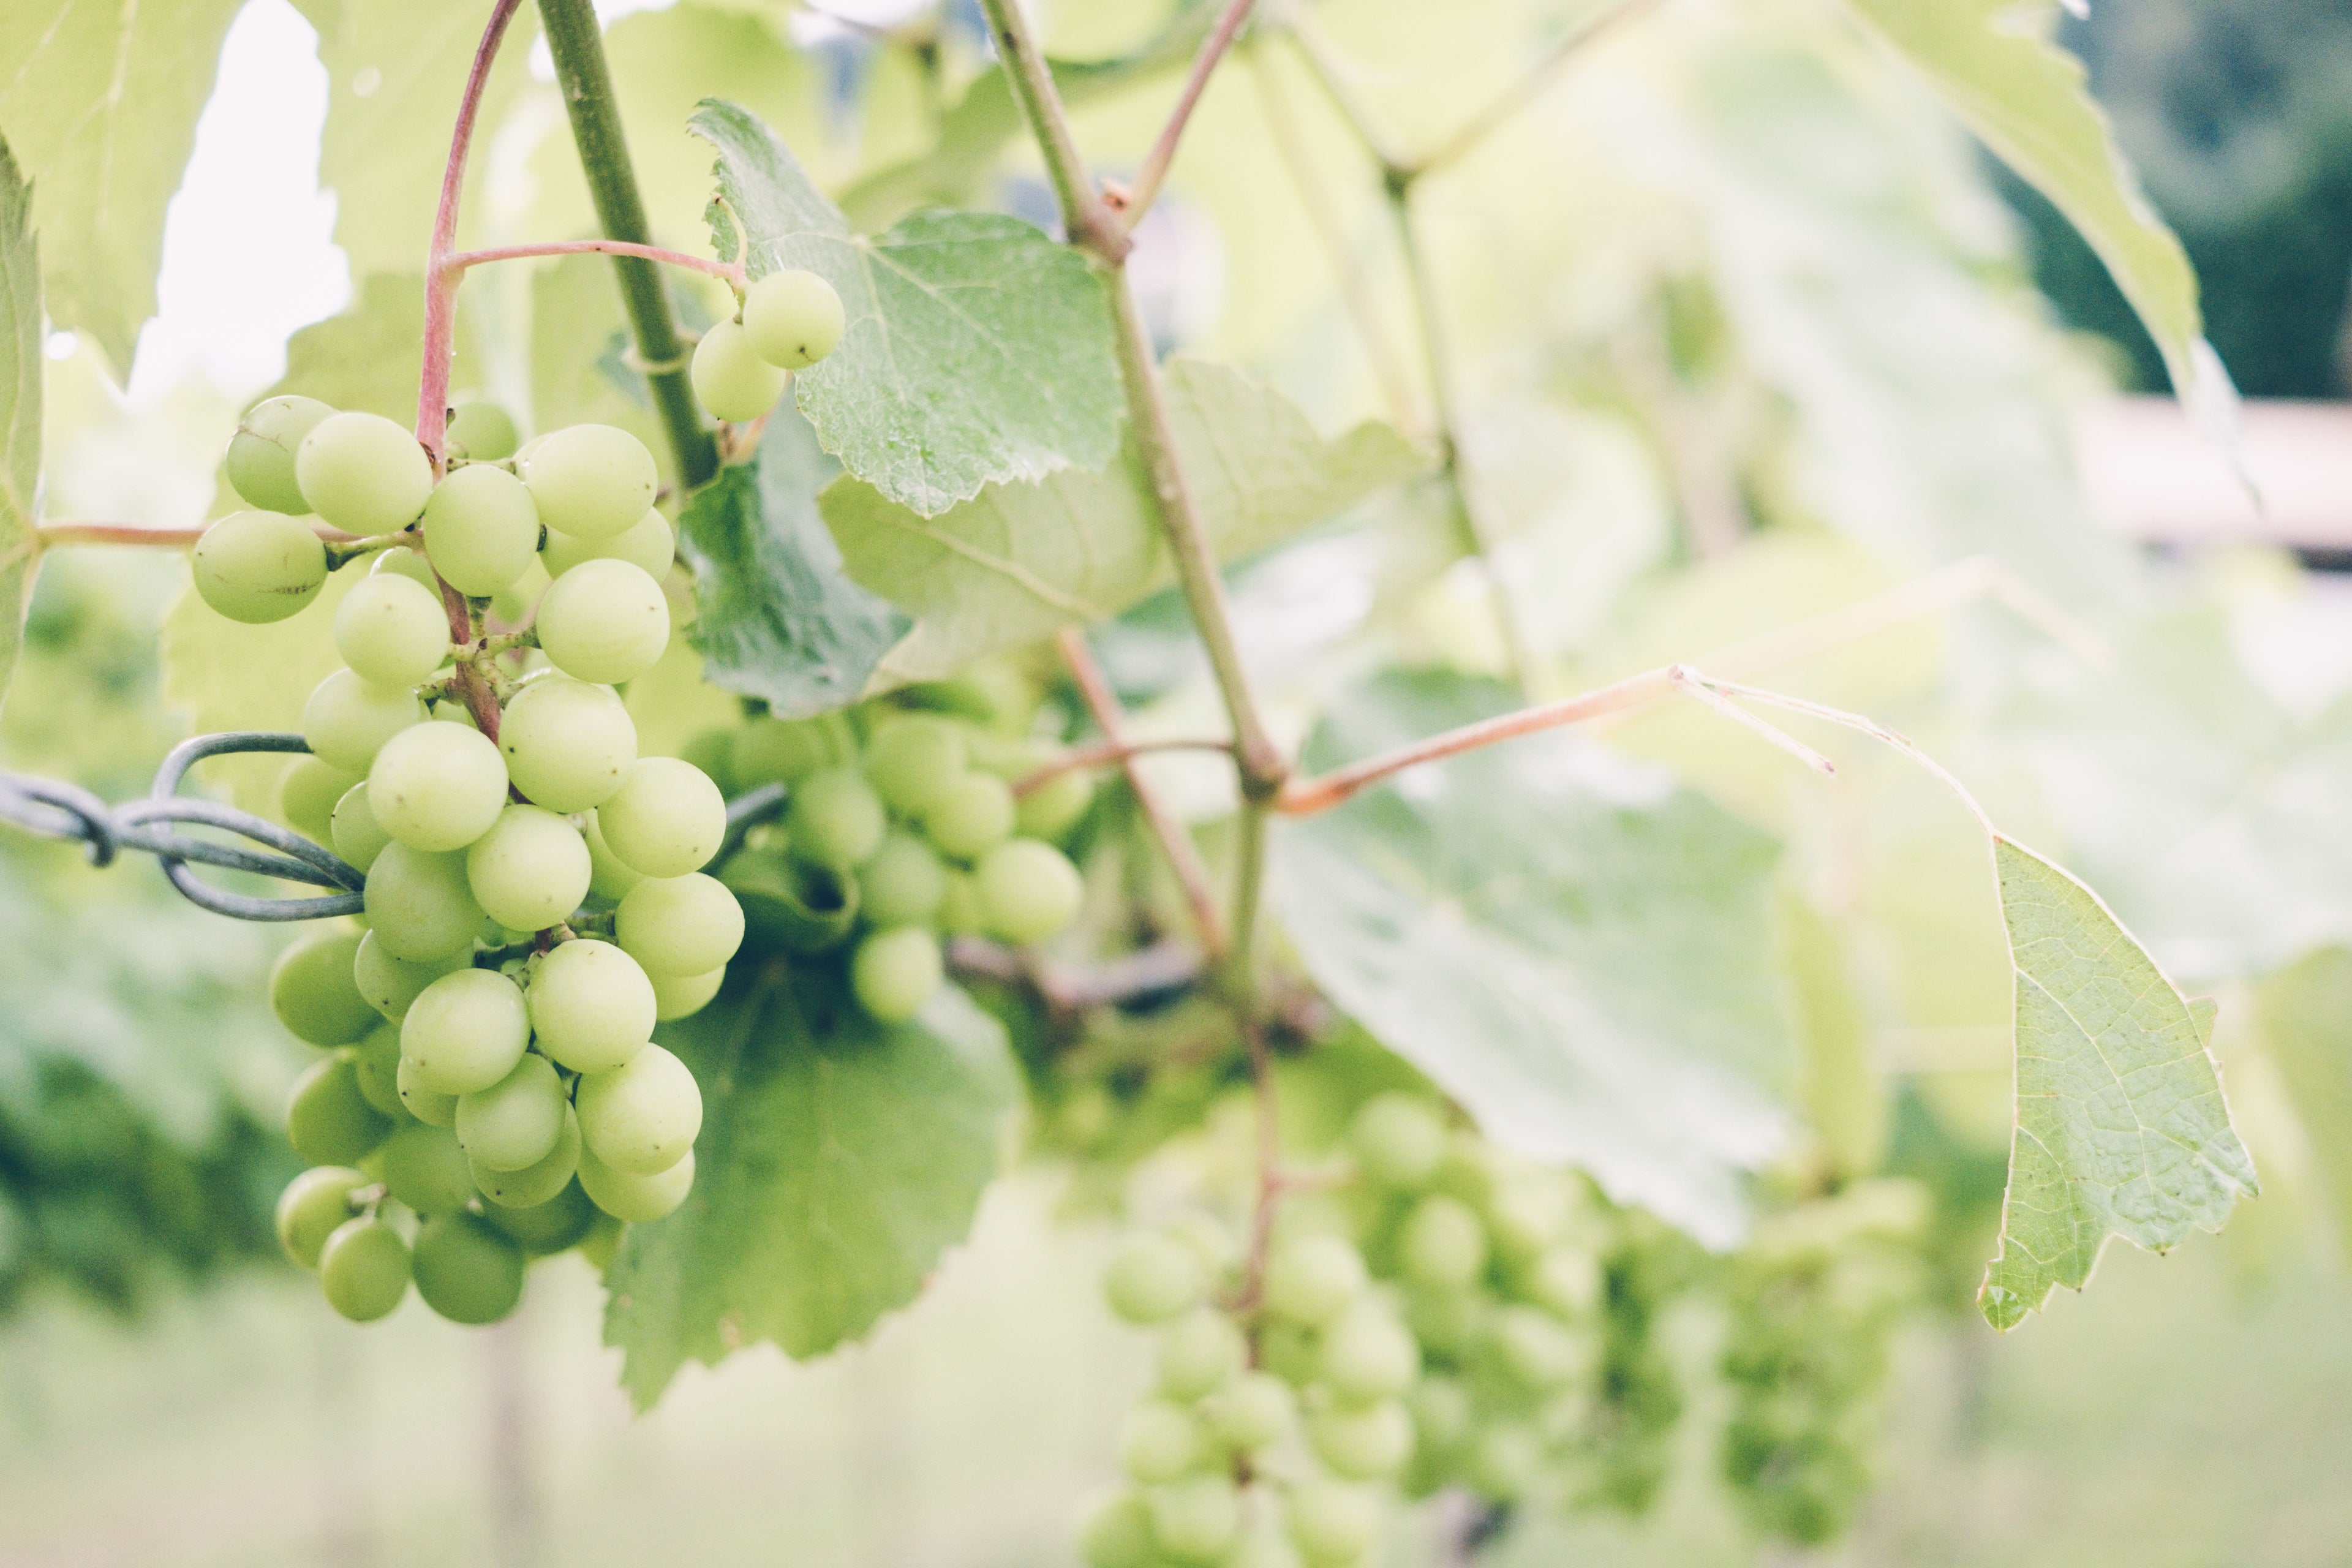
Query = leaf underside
x=20 y=435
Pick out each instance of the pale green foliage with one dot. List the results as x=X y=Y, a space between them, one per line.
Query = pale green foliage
x=20 y=427
x=2121 y=1127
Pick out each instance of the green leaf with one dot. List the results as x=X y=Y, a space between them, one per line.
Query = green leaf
x=977 y=350
x=1022 y=561
x=775 y=617
x=1571 y=944
x=20 y=410
x=101 y=103
x=2306 y=1019
x=838 y=1158
x=2025 y=97
x=578 y=333
x=2121 y=1126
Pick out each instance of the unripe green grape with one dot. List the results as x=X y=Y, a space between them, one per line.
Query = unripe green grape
x=1448 y=1322
x=895 y=972
x=641 y=1117
x=785 y=751
x=418 y=905
x=358 y=837
x=1198 y=1352
x=515 y=1121
x=1159 y=1441
x=538 y=1182
x=1334 y=1523
x=391 y=631
x=347 y=719
x=590 y=481
x=429 y=1106
x=1442 y=1246
x=426 y=1168
x=438 y=787
x=531 y=871
x=364 y=1270
x=307 y=795
x=1527 y=1212
x=668 y=819
x=363 y=473
x=1366 y=1354
x=713 y=750
x=604 y=621
x=1567 y=1279
x=609 y=875
x=1153 y=1278
x=1054 y=807
x=729 y=377
x=389 y=984
x=1117 y=1533
x=543 y=1229
x=793 y=319
x=312 y=1206
x=260 y=459
x=971 y=817
x=960 y=913
x=913 y=760
x=902 y=884
x=1027 y=891
x=1506 y=1461
x=1262 y=1546
x=592 y=1005
x=638 y=1200
x=1398 y=1140
x=1535 y=1348
x=1195 y=1518
x=518 y=601
x=1312 y=1279
x=328 y=1119
x=466 y=1032
x=568 y=744
x=682 y=996
x=679 y=925
x=481 y=432
x=376 y=1062
x=836 y=819
x=1288 y=1350
x=313 y=994
x=1363 y=1442
x=481 y=530
x=602 y=1243
x=405 y=561
x=1254 y=1411
x=1443 y=1416
x=1211 y=1240
x=649 y=544
x=466 y=1270
x=256 y=567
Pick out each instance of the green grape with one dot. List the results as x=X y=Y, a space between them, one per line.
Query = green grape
x=793 y=319
x=1448 y=1322
x=1442 y=1246
x=1312 y=1279
x=314 y=994
x=307 y=795
x=531 y=871
x=260 y=461
x=466 y=1032
x=609 y=877
x=1445 y=1416
x=1334 y=1523
x=1362 y=1442
x=895 y=972
x=682 y=996
x=1366 y=1354
x=641 y=1117
x=1054 y=807
x=638 y=1200
x=347 y=721
x=538 y=1182
x=568 y=744
x=426 y=1168
x=914 y=760
x=1567 y=1279
x=903 y=883
x=592 y=1005
x=428 y=1106
x=1117 y=1533
x=604 y=621
x=591 y=481
x=1197 y=1352
x=256 y=567
x=328 y=1119
x=1527 y=1212
x=960 y=913
x=668 y=819
x=649 y=544
x=730 y=378
x=543 y=1229
x=786 y=751
x=515 y=1121
x=1398 y=1140
x=1195 y=1518
x=391 y=631
x=418 y=905
x=1210 y=1241
x=602 y=1243
x=311 y=1206
x=713 y=750
x=1506 y=1462
x=376 y=1060
x=479 y=432
x=358 y=837
x=518 y=601
x=836 y=819
x=1159 y=1441
x=481 y=530
x=364 y=1270
x=409 y=562
x=1153 y=1278
x=363 y=473
x=1027 y=891
x=466 y=1270
x=1262 y=1546
x=389 y=983
x=1254 y=1411
x=1535 y=1348
x=971 y=817
x=679 y=925
x=438 y=787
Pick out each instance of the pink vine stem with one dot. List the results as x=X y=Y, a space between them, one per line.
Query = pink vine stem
x=731 y=272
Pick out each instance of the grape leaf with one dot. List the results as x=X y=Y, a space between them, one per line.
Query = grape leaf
x=838 y=1158
x=2306 y=1017
x=578 y=330
x=775 y=617
x=20 y=423
x=101 y=103
x=1022 y=561
x=2121 y=1127
x=2025 y=97
x=977 y=349
x=1571 y=944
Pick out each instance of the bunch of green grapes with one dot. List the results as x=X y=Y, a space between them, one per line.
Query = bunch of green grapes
x=1816 y=1296
x=788 y=321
